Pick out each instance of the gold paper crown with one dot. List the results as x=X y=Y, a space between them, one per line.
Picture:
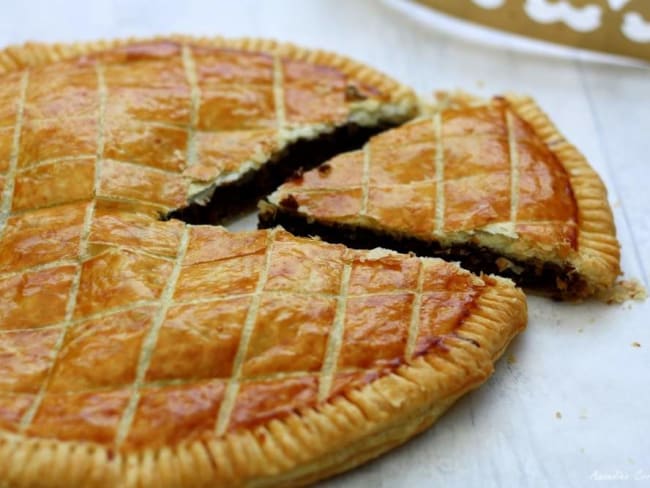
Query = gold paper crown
x=613 y=26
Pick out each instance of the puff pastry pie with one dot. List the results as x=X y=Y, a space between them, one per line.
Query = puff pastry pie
x=491 y=184
x=141 y=352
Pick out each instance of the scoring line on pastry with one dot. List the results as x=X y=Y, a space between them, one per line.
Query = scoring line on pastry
x=67 y=321
x=440 y=173
x=278 y=96
x=414 y=325
x=83 y=248
x=150 y=340
x=152 y=169
x=45 y=162
x=38 y=267
x=335 y=340
x=514 y=167
x=101 y=315
x=189 y=66
x=162 y=209
x=10 y=181
x=365 y=179
x=225 y=411
x=27 y=211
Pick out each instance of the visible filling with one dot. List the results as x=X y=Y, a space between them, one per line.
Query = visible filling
x=548 y=278
x=232 y=199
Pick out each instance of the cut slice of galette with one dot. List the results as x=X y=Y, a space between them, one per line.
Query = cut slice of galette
x=491 y=184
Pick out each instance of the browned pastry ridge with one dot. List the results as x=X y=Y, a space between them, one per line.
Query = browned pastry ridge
x=148 y=353
x=491 y=184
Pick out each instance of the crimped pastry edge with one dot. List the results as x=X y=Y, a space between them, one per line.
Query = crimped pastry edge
x=598 y=255
x=305 y=446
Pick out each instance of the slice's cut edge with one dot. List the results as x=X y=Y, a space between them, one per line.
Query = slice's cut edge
x=309 y=444
x=598 y=255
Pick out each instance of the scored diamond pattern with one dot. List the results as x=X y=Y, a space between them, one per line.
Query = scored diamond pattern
x=121 y=329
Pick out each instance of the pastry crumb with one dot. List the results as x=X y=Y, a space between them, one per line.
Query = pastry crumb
x=580 y=330
x=290 y=202
x=558 y=415
x=297 y=175
x=324 y=168
x=636 y=344
x=512 y=359
x=623 y=291
x=583 y=414
x=354 y=94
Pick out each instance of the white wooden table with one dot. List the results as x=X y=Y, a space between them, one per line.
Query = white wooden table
x=577 y=360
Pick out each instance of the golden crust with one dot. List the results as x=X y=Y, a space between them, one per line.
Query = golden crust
x=307 y=445
x=598 y=256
